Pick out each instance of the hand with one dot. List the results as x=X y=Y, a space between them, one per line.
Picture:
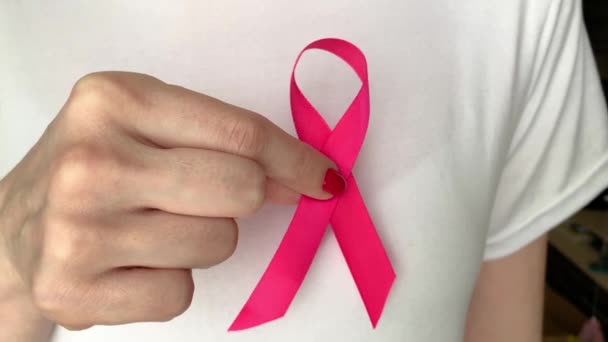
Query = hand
x=135 y=183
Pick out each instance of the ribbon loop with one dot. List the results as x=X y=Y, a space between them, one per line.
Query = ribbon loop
x=342 y=145
x=353 y=227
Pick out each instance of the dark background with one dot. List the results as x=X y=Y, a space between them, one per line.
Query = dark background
x=596 y=19
x=571 y=295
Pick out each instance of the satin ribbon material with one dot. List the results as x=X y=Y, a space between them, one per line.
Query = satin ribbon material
x=354 y=230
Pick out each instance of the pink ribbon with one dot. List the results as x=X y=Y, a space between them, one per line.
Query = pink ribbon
x=357 y=237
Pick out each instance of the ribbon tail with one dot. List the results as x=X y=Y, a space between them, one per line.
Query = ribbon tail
x=278 y=286
x=363 y=250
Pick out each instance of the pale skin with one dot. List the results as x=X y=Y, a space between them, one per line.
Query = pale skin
x=507 y=304
x=137 y=182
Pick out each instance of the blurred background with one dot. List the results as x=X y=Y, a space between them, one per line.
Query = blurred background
x=577 y=263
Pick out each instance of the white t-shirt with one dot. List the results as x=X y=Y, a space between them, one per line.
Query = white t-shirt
x=487 y=128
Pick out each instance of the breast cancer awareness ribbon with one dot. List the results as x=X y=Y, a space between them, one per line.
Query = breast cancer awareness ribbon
x=357 y=237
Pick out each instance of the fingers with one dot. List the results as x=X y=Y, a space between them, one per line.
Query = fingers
x=157 y=239
x=205 y=122
x=280 y=194
x=296 y=165
x=208 y=183
x=171 y=116
x=200 y=182
x=121 y=296
x=182 y=181
x=143 y=182
x=149 y=295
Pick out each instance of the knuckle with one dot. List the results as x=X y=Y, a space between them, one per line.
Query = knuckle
x=218 y=240
x=253 y=192
x=247 y=136
x=75 y=171
x=303 y=164
x=51 y=295
x=67 y=245
x=102 y=93
x=229 y=240
x=45 y=298
x=182 y=298
x=93 y=92
x=92 y=82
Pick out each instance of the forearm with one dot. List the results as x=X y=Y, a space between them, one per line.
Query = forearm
x=19 y=318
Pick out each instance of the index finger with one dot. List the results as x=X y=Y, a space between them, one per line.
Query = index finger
x=171 y=116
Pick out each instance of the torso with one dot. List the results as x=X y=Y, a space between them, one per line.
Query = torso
x=445 y=79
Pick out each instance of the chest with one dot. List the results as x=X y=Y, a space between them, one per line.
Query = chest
x=425 y=171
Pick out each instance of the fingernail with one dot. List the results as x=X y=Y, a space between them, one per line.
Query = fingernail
x=334 y=183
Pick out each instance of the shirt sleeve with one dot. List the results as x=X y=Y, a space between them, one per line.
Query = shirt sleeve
x=558 y=157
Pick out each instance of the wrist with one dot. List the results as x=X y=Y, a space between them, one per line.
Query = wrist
x=21 y=320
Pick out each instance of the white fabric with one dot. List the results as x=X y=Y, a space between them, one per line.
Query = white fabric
x=487 y=128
